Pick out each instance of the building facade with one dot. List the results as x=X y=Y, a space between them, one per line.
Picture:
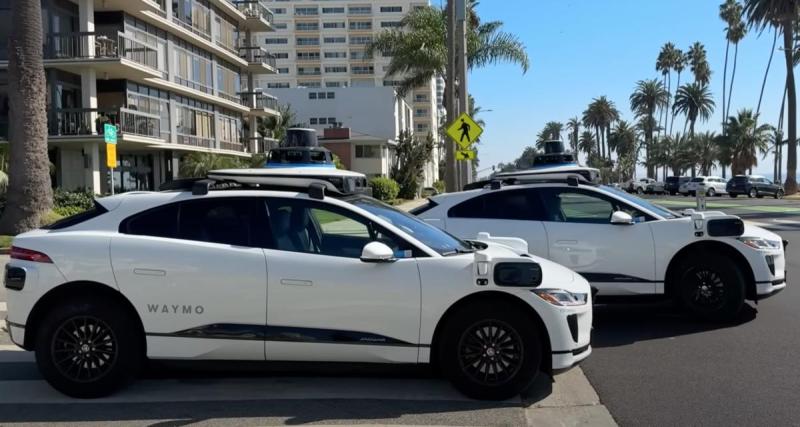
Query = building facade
x=372 y=116
x=174 y=77
x=321 y=45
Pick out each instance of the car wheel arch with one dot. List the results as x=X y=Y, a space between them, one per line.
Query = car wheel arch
x=490 y=297
x=70 y=290
x=696 y=249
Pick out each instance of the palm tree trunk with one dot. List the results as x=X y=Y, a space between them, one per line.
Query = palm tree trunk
x=599 y=143
x=672 y=123
x=791 y=160
x=733 y=76
x=724 y=84
x=766 y=73
x=29 y=194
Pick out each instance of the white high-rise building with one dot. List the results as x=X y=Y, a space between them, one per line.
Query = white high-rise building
x=321 y=44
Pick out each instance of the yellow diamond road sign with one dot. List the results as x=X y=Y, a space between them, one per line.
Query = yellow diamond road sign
x=465 y=155
x=464 y=131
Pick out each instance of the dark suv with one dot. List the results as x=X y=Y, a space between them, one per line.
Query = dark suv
x=754 y=186
x=673 y=183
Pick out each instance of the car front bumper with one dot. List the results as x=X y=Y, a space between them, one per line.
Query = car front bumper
x=16 y=332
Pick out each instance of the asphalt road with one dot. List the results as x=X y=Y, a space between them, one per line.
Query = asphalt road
x=653 y=365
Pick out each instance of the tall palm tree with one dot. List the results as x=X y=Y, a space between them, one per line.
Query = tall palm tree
x=706 y=150
x=695 y=101
x=734 y=33
x=679 y=60
x=698 y=63
x=726 y=14
x=747 y=139
x=419 y=51
x=602 y=113
x=766 y=73
x=623 y=139
x=552 y=130
x=724 y=148
x=586 y=143
x=664 y=63
x=648 y=96
x=29 y=194
x=783 y=15
x=591 y=119
x=275 y=126
x=574 y=128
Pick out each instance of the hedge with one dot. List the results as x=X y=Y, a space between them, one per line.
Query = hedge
x=385 y=189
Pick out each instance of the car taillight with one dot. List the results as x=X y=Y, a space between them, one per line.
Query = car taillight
x=29 y=255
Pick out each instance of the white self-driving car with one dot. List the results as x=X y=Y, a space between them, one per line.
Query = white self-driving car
x=276 y=268
x=623 y=245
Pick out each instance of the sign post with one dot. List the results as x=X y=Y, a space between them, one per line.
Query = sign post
x=464 y=132
x=110 y=137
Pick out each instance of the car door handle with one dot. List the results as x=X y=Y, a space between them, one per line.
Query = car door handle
x=149 y=272
x=295 y=282
x=566 y=242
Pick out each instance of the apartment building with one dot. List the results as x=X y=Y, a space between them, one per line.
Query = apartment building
x=321 y=45
x=174 y=76
x=359 y=124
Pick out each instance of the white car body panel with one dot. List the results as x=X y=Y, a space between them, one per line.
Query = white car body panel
x=718 y=184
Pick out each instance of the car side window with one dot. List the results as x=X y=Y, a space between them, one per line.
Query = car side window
x=517 y=204
x=158 y=222
x=578 y=206
x=317 y=228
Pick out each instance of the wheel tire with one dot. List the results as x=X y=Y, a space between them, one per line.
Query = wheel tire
x=711 y=192
x=686 y=194
x=88 y=321
x=712 y=287
x=671 y=193
x=639 y=191
x=779 y=194
x=733 y=195
x=752 y=193
x=459 y=334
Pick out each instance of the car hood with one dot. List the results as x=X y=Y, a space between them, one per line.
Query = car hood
x=553 y=275
x=751 y=230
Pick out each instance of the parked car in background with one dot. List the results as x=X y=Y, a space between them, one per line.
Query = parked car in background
x=639 y=186
x=655 y=187
x=708 y=185
x=754 y=186
x=673 y=184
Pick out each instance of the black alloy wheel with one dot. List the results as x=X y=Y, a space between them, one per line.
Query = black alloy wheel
x=712 y=287
x=490 y=352
x=752 y=193
x=779 y=194
x=84 y=349
x=706 y=288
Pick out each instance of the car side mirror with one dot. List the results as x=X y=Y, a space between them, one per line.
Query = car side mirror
x=621 y=218
x=377 y=252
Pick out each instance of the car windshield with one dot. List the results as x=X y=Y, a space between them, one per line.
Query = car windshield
x=741 y=179
x=435 y=238
x=642 y=203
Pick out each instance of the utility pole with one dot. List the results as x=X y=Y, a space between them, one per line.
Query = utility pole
x=461 y=70
x=451 y=171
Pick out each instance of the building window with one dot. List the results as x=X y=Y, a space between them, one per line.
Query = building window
x=335 y=39
x=359 y=10
x=420 y=97
x=307 y=41
x=281 y=85
x=307 y=26
x=308 y=56
x=368 y=152
x=390 y=24
x=328 y=25
x=335 y=54
x=312 y=120
x=309 y=71
x=420 y=112
x=360 y=54
x=328 y=10
x=335 y=84
x=280 y=25
x=422 y=127
x=308 y=84
x=278 y=10
x=321 y=95
x=392 y=83
x=306 y=11
x=363 y=69
x=360 y=25
x=283 y=70
x=336 y=69
x=360 y=40
x=192 y=70
x=393 y=9
x=276 y=40
x=281 y=55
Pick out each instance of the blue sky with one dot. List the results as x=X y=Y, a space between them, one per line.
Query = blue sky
x=582 y=49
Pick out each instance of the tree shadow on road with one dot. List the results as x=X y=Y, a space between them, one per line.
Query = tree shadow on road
x=622 y=324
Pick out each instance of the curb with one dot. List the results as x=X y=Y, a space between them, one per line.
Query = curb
x=570 y=400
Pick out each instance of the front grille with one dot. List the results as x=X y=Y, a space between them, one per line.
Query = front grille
x=771 y=264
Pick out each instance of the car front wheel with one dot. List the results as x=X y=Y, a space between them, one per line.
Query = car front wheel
x=752 y=193
x=490 y=353
x=712 y=287
x=88 y=349
x=733 y=195
x=711 y=192
x=779 y=194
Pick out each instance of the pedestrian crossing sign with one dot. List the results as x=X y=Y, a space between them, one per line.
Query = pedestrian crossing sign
x=464 y=131
x=465 y=155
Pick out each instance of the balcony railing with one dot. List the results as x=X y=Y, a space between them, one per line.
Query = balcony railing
x=199 y=22
x=90 y=121
x=254 y=9
x=257 y=55
x=90 y=45
x=259 y=100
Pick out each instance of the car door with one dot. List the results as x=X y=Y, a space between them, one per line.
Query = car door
x=196 y=274
x=502 y=212
x=616 y=259
x=324 y=302
x=767 y=187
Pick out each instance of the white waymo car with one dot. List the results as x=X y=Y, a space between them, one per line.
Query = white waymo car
x=277 y=268
x=622 y=244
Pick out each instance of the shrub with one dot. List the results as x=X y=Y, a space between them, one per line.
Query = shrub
x=67 y=203
x=384 y=189
x=439 y=186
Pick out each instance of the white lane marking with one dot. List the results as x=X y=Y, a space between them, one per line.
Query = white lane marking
x=300 y=388
x=3 y=306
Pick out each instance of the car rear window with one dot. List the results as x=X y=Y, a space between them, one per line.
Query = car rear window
x=697 y=180
x=419 y=210
x=78 y=218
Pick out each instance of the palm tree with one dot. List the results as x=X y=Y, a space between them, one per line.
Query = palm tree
x=419 y=51
x=29 y=195
x=601 y=114
x=679 y=61
x=698 y=63
x=783 y=15
x=664 y=63
x=734 y=33
x=766 y=73
x=747 y=139
x=695 y=101
x=726 y=13
x=724 y=149
x=586 y=143
x=648 y=96
x=552 y=130
x=275 y=126
x=623 y=139
x=706 y=150
x=574 y=128
x=198 y=164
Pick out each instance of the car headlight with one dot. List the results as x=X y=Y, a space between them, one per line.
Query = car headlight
x=760 y=243
x=561 y=297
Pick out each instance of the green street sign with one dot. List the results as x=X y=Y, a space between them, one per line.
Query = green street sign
x=110 y=133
